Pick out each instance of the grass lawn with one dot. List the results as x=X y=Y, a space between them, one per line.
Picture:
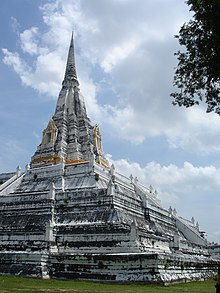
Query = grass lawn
x=12 y=284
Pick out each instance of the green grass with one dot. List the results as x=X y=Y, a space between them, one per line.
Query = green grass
x=10 y=284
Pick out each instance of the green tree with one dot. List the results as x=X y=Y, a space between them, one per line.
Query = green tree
x=197 y=76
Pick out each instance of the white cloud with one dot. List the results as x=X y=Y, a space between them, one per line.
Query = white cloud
x=43 y=78
x=172 y=178
x=118 y=53
x=133 y=43
x=28 y=42
x=20 y=67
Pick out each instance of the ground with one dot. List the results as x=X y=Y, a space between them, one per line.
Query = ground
x=10 y=284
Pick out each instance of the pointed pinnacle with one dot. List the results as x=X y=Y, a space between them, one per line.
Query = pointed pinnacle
x=72 y=40
x=71 y=66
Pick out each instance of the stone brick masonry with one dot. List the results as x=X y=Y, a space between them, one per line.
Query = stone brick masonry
x=71 y=215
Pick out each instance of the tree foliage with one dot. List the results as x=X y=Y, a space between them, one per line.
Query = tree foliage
x=197 y=76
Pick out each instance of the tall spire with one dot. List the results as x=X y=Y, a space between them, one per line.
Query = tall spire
x=70 y=72
x=69 y=136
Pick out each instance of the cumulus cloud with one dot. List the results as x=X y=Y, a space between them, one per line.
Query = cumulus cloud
x=20 y=67
x=176 y=180
x=133 y=45
x=28 y=42
x=42 y=77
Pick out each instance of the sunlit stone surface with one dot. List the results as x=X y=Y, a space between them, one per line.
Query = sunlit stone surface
x=71 y=215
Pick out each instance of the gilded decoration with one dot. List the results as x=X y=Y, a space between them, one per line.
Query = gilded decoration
x=51 y=158
x=74 y=162
x=50 y=133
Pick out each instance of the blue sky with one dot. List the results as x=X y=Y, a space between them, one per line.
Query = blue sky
x=125 y=63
